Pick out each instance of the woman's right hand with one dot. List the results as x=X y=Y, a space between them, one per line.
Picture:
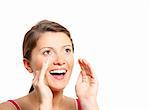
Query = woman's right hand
x=43 y=91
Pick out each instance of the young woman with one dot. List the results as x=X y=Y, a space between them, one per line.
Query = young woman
x=48 y=54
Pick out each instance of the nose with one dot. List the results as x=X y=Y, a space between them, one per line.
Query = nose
x=59 y=60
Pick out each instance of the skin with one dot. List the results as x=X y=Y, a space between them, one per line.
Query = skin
x=54 y=51
x=58 y=49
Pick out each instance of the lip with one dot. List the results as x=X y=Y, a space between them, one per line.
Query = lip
x=58 y=77
x=59 y=69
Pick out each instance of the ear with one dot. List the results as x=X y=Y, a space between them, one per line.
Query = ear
x=27 y=65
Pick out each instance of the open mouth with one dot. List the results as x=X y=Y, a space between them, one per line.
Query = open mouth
x=58 y=74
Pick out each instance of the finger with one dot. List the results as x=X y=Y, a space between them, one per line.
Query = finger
x=44 y=68
x=84 y=71
x=92 y=80
x=84 y=76
x=81 y=65
x=36 y=78
x=89 y=69
x=85 y=67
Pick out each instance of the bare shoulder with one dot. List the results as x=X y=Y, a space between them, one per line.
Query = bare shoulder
x=6 y=106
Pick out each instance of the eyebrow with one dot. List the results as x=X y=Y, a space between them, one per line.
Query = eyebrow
x=53 y=48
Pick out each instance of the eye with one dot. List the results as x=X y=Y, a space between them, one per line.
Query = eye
x=67 y=50
x=47 y=52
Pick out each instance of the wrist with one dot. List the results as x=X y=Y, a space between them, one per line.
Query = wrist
x=89 y=99
x=89 y=104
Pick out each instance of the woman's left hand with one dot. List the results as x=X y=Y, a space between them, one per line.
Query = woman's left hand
x=87 y=86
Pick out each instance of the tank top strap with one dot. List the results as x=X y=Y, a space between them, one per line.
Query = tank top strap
x=15 y=104
x=78 y=104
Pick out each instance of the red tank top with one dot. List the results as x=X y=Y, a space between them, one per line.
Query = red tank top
x=79 y=105
x=15 y=104
x=19 y=108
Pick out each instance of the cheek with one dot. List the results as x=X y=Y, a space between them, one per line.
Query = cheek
x=36 y=63
x=70 y=61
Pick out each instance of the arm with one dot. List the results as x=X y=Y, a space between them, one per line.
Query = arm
x=43 y=91
x=87 y=87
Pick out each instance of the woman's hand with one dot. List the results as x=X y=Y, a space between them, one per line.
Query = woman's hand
x=43 y=91
x=87 y=86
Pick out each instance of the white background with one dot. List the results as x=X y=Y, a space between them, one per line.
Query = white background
x=113 y=35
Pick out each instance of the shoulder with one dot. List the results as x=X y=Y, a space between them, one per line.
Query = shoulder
x=6 y=106
x=13 y=104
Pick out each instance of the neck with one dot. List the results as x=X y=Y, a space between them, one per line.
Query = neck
x=57 y=98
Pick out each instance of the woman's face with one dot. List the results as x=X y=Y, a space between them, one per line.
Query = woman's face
x=58 y=47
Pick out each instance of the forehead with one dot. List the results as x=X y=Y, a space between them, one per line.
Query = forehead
x=53 y=39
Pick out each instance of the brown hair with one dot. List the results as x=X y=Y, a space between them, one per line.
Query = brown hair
x=32 y=36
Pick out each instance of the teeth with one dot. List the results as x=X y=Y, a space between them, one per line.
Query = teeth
x=57 y=71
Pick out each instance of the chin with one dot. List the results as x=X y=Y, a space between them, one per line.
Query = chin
x=57 y=88
x=57 y=83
